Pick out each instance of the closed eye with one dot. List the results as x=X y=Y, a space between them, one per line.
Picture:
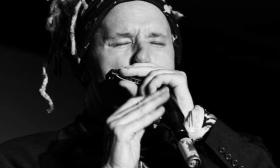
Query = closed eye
x=158 y=43
x=119 y=44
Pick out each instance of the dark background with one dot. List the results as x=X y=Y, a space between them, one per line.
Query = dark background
x=231 y=56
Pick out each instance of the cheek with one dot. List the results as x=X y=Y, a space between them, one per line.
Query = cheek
x=165 y=58
x=168 y=62
x=113 y=60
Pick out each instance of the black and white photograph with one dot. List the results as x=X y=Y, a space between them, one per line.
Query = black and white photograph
x=139 y=84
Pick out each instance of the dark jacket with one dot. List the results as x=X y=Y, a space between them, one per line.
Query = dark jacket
x=73 y=147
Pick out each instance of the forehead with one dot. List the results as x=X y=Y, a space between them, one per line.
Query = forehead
x=133 y=15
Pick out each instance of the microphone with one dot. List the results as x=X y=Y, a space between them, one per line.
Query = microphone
x=173 y=118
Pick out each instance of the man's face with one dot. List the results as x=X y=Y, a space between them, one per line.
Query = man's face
x=133 y=32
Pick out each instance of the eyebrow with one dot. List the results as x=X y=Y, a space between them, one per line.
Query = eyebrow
x=156 y=35
x=128 y=35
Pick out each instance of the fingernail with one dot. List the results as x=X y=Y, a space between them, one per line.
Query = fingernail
x=122 y=70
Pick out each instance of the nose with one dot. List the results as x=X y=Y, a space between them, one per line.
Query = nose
x=141 y=54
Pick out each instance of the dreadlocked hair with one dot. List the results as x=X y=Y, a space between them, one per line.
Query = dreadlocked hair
x=72 y=24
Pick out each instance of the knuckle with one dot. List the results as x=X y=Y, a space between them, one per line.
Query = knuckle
x=111 y=126
x=162 y=108
x=182 y=73
x=118 y=131
x=108 y=121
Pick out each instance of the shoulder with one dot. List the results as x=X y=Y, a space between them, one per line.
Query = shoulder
x=235 y=149
x=35 y=142
x=26 y=150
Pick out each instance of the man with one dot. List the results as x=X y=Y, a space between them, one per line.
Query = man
x=122 y=125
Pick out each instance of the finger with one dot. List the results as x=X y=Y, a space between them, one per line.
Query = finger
x=147 y=105
x=123 y=108
x=159 y=94
x=134 y=104
x=176 y=80
x=189 y=121
x=198 y=115
x=205 y=130
x=160 y=80
x=145 y=121
x=199 y=133
x=195 y=119
x=130 y=130
x=210 y=116
x=150 y=76
x=130 y=86
x=130 y=102
x=210 y=122
x=140 y=71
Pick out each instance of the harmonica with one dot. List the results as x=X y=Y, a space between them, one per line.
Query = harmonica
x=115 y=75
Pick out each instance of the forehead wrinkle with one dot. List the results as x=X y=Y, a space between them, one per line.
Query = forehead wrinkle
x=126 y=34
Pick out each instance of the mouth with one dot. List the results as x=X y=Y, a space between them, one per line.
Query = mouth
x=115 y=75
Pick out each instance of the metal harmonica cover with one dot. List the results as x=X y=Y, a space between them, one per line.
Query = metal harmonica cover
x=115 y=75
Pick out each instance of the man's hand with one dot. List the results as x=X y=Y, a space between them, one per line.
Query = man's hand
x=128 y=124
x=156 y=76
